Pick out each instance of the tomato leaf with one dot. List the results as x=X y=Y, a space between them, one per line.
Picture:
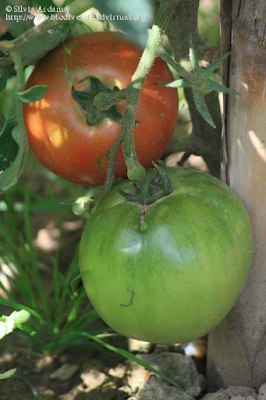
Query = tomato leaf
x=32 y=94
x=14 y=152
x=133 y=17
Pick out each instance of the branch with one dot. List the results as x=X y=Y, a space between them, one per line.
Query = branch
x=77 y=7
x=136 y=171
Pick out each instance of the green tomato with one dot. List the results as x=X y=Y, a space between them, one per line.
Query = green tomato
x=171 y=271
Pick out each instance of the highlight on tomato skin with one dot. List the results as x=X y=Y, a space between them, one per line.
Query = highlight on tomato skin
x=56 y=125
x=178 y=278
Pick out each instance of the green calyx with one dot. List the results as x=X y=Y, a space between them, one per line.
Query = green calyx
x=155 y=185
x=200 y=80
x=86 y=99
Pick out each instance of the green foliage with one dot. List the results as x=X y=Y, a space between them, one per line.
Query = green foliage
x=56 y=319
x=132 y=17
x=61 y=319
x=200 y=80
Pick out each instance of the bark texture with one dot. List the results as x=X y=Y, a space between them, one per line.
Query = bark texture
x=237 y=347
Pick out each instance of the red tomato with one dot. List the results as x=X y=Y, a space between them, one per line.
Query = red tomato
x=56 y=126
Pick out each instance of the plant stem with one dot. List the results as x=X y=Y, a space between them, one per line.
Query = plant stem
x=20 y=76
x=135 y=170
x=19 y=105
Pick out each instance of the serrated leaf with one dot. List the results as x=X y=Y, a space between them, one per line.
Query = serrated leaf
x=12 y=173
x=32 y=94
x=133 y=17
x=8 y=146
x=3 y=78
x=8 y=374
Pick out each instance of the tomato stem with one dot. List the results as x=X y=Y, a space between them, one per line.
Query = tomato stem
x=155 y=186
x=135 y=171
x=105 y=100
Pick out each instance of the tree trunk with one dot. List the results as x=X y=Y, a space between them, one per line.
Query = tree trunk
x=237 y=347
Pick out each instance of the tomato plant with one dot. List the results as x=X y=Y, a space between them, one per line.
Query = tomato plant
x=170 y=271
x=56 y=125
